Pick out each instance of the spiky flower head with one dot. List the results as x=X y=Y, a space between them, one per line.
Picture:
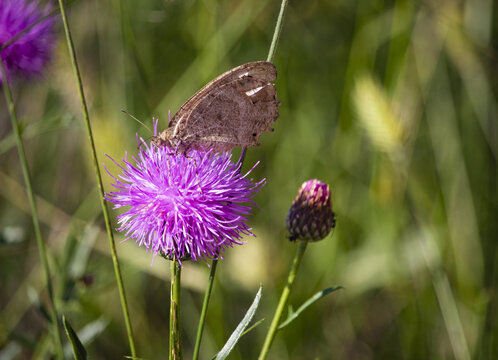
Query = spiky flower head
x=310 y=216
x=183 y=207
x=30 y=52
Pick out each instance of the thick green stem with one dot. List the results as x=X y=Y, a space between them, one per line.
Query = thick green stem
x=283 y=300
x=112 y=245
x=175 y=331
x=205 y=304
x=34 y=213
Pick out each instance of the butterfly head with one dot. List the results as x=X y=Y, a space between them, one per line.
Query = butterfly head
x=157 y=141
x=168 y=139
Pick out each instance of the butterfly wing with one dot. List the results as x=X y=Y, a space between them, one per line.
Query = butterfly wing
x=233 y=110
x=259 y=69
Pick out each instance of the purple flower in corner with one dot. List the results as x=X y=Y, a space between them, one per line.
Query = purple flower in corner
x=31 y=51
x=183 y=207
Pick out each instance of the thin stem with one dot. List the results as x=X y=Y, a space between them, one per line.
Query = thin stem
x=205 y=304
x=272 y=51
x=34 y=213
x=175 y=334
x=283 y=300
x=302 y=244
x=278 y=30
x=112 y=245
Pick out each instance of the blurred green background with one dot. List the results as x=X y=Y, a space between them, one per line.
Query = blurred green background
x=392 y=103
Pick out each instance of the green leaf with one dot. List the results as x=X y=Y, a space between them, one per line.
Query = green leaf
x=79 y=351
x=292 y=315
x=239 y=331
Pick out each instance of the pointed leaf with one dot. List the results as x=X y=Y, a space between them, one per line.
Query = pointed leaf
x=88 y=333
x=293 y=315
x=234 y=338
x=79 y=351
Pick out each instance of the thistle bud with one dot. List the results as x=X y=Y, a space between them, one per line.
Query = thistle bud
x=310 y=216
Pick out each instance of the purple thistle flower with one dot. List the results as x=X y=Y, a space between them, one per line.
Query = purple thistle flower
x=183 y=207
x=29 y=53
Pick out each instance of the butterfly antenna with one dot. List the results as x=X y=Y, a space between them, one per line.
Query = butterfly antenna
x=134 y=118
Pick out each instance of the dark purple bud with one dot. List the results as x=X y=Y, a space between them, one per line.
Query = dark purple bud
x=310 y=216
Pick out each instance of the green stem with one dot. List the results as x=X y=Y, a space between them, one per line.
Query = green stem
x=283 y=300
x=278 y=30
x=273 y=50
x=205 y=304
x=112 y=245
x=34 y=213
x=175 y=334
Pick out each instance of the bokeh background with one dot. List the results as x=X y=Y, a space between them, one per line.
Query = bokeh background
x=392 y=103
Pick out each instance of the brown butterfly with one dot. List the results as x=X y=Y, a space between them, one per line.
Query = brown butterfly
x=232 y=110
